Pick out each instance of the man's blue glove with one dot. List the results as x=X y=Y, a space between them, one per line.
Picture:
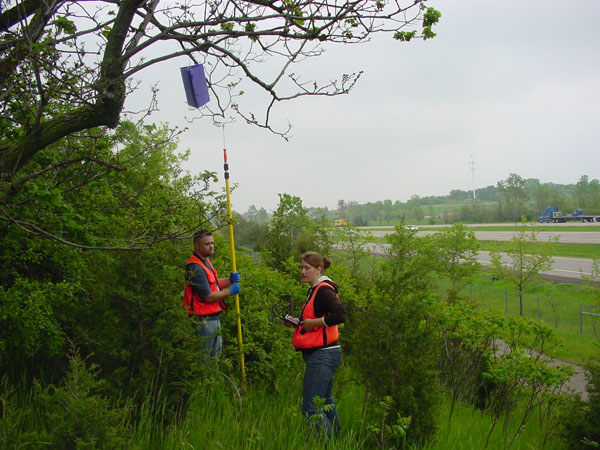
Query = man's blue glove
x=235 y=288
x=235 y=277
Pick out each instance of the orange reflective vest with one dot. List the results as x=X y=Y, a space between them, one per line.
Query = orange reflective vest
x=318 y=336
x=194 y=305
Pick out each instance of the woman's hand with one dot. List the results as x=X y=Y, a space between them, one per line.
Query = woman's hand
x=309 y=324
x=288 y=324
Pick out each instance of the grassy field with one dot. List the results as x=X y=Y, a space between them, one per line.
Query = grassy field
x=477 y=227
x=557 y=304
x=565 y=250
x=562 y=249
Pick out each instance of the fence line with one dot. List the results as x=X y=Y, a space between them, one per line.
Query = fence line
x=573 y=317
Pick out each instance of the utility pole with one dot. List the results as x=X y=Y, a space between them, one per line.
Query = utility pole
x=472 y=164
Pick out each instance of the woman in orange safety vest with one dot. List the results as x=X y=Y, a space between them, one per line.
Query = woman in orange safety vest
x=316 y=337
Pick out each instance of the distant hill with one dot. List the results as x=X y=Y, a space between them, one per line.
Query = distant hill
x=509 y=200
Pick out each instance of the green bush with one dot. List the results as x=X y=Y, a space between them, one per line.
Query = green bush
x=76 y=416
x=266 y=294
x=132 y=323
x=580 y=420
x=394 y=341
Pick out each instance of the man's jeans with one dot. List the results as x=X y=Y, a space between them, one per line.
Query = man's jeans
x=209 y=329
x=318 y=381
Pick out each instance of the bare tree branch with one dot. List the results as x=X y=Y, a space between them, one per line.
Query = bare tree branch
x=76 y=90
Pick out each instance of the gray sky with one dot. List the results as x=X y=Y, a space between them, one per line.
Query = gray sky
x=516 y=84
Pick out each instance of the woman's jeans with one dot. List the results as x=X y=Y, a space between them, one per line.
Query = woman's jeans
x=318 y=381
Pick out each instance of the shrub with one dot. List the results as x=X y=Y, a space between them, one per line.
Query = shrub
x=77 y=417
x=580 y=420
x=396 y=334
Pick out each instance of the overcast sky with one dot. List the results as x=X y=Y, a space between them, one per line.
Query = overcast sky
x=515 y=84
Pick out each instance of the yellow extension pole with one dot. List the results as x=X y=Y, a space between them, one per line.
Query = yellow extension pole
x=234 y=269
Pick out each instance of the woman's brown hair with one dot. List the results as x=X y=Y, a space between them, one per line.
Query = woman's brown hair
x=316 y=260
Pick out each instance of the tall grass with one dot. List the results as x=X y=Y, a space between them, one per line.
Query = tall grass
x=220 y=417
x=470 y=426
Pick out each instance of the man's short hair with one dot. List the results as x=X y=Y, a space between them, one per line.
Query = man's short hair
x=200 y=234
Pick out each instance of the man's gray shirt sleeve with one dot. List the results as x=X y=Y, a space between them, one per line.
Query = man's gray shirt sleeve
x=195 y=276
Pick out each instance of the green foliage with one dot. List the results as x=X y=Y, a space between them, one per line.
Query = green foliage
x=405 y=36
x=520 y=375
x=497 y=362
x=77 y=416
x=490 y=205
x=135 y=326
x=512 y=197
x=580 y=420
x=430 y=18
x=111 y=190
x=394 y=340
x=453 y=253
x=467 y=336
x=384 y=432
x=248 y=233
x=526 y=259
x=122 y=308
x=291 y=233
x=14 y=429
x=27 y=316
x=314 y=421
x=593 y=279
x=352 y=250
x=268 y=354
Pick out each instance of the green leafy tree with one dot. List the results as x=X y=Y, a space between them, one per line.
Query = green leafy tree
x=111 y=190
x=53 y=85
x=594 y=190
x=291 y=232
x=582 y=192
x=247 y=232
x=259 y=216
x=512 y=197
x=353 y=250
x=522 y=377
x=124 y=307
x=417 y=213
x=454 y=255
x=525 y=258
x=467 y=336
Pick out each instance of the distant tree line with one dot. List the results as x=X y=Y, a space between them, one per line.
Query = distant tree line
x=508 y=201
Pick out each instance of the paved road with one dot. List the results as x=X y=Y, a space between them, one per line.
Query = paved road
x=564 y=269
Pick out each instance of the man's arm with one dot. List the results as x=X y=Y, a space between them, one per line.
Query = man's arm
x=217 y=295
x=224 y=282
x=197 y=278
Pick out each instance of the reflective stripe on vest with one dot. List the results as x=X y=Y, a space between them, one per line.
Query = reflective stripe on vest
x=193 y=304
x=319 y=336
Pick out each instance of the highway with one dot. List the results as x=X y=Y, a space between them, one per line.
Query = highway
x=564 y=269
x=575 y=237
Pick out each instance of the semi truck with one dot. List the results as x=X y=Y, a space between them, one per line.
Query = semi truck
x=552 y=215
